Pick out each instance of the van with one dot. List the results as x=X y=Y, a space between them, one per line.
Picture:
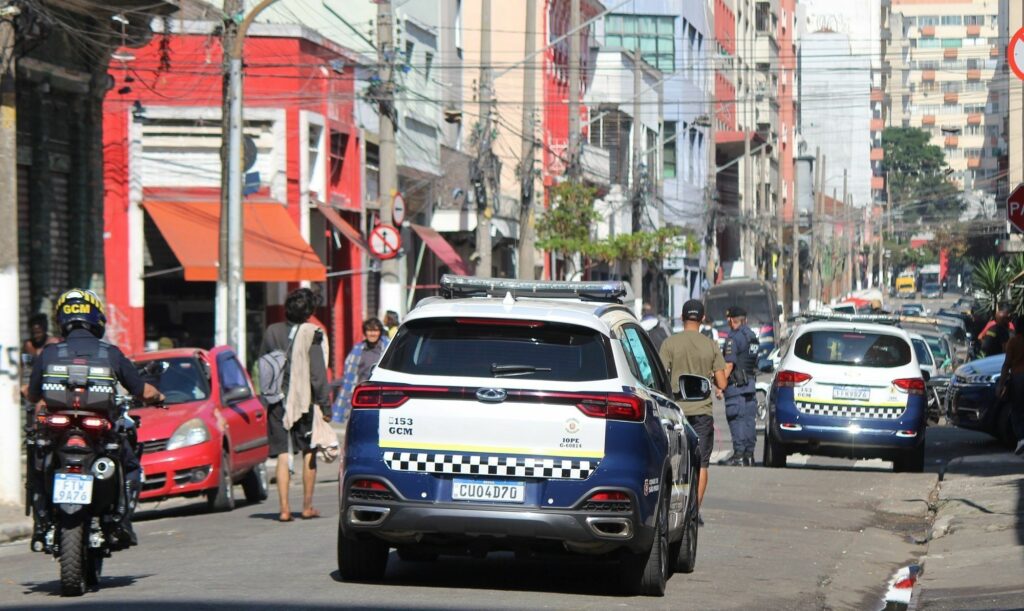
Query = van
x=906 y=286
x=757 y=297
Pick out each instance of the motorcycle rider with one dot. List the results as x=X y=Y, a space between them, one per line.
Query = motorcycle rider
x=79 y=314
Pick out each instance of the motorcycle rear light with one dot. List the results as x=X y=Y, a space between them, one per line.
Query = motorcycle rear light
x=500 y=322
x=58 y=420
x=92 y=422
x=381 y=396
x=911 y=386
x=789 y=379
x=75 y=442
x=73 y=469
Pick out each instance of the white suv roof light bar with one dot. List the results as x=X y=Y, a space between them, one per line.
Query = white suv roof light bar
x=612 y=291
x=879 y=319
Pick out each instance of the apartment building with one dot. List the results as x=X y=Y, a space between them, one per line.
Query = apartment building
x=948 y=79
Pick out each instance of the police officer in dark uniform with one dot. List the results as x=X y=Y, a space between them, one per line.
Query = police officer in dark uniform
x=81 y=319
x=740 y=352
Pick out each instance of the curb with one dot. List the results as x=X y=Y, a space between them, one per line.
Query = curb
x=14 y=531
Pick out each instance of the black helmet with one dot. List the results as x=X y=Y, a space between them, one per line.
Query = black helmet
x=80 y=308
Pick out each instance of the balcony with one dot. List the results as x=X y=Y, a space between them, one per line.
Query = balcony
x=974 y=30
x=952 y=141
x=928 y=120
x=949 y=53
x=928 y=31
x=928 y=76
x=876 y=94
x=877 y=154
x=878 y=183
x=877 y=125
x=596 y=164
x=973 y=74
x=973 y=163
x=993 y=52
x=950 y=97
x=974 y=118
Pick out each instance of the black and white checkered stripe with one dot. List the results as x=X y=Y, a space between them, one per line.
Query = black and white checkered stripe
x=500 y=466
x=851 y=411
x=96 y=389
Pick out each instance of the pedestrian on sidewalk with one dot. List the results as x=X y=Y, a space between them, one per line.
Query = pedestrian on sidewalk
x=692 y=352
x=740 y=352
x=996 y=333
x=1011 y=383
x=391 y=324
x=358 y=365
x=290 y=420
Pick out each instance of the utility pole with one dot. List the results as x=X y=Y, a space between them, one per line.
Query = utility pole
x=526 y=179
x=814 y=298
x=881 y=235
x=780 y=241
x=794 y=260
x=10 y=403
x=711 y=182
x=846 y=232
x=483 y=175
x=392 y=290
x=636 y=266
x=232 y=10
x=573 y=152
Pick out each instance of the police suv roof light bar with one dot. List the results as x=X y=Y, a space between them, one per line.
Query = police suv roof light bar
x=877 y=319
x=612 y=291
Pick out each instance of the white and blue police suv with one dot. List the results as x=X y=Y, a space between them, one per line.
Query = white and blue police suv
x=526 y=416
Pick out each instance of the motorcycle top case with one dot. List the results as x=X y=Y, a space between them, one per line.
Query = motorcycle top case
x=75 y=382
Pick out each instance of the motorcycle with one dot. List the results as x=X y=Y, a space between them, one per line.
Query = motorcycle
x=80 y=488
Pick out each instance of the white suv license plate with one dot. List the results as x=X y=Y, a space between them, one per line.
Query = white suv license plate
x=72 y=488
x=492 y=492
x=853 y=393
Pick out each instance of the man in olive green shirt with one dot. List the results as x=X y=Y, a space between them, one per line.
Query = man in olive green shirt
x=696 y=354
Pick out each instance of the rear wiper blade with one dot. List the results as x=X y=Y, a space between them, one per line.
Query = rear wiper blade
x=515 y=370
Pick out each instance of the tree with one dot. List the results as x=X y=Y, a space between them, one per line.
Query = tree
x=567 y=229
x=917 y=180
x=990 y=280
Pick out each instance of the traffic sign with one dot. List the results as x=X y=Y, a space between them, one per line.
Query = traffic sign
x=398 y=209
x=1015 y=208
x=385 y=240
x=1015 y=54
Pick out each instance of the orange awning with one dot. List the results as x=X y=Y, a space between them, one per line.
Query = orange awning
x=274 y=250
x=444 y=251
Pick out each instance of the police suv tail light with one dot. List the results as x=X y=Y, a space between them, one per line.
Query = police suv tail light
x=381 y=396
x=607 y=500
x=789 y=379
x=369 y=484
x=911 y=386
x=612 y=495
x=612 y=406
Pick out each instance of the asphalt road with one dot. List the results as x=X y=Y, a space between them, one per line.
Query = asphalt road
x=825 y=533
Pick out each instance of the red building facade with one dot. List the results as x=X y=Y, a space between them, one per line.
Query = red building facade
x=162 y=171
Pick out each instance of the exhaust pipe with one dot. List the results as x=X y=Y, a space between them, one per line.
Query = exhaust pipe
x=104 y=468
x=363 y=515
x=611 y=528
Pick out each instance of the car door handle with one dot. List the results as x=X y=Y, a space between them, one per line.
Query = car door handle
x=675 y=426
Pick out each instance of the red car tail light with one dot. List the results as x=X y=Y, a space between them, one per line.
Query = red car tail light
x=383 y=396
x=789 y=379
x=911 y=386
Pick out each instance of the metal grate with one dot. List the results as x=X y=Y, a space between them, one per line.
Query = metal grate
x=154 y=445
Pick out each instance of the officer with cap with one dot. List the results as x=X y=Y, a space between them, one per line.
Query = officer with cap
x=740 y=352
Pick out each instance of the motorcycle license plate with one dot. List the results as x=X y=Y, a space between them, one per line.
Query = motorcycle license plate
x=72 y=488
x=494 y=492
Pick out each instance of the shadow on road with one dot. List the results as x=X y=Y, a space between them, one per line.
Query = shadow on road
x=52 y=588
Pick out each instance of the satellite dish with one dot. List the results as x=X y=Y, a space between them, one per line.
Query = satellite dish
x=249 y=153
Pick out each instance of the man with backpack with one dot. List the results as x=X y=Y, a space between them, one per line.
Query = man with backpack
x=293 y=381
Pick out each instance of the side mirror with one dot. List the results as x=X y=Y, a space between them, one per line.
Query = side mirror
x=924 y=374
x=765 y=365
x=694 y=388
x=234 y=395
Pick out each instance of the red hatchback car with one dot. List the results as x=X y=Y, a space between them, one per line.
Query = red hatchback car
x=213 y=433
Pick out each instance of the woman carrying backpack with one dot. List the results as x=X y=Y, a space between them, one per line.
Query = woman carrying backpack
x=358 y=364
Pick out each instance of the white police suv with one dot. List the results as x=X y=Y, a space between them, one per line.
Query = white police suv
x=848 y=387
x=523 y=416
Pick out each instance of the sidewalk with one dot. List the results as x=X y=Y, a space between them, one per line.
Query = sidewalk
x=975 y=557
x=14 y=524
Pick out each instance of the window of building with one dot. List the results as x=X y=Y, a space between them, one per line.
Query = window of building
x=952 y=20
x=428 y=61
x=652 y=35
x=668 y=151
x=410 y=47
x=974 y=20
x=339 y=142
x=924 y=20
x=952 y=43
x=928 y=43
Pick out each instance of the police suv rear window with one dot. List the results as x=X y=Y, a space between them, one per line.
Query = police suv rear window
x=500 y=348
x=856 y=348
